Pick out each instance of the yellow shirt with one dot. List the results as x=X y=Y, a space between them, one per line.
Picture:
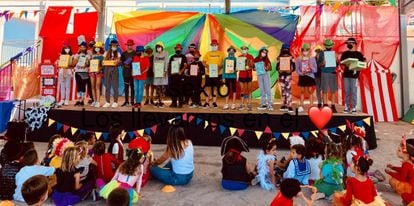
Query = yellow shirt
x=56 y=162
x=214 y=57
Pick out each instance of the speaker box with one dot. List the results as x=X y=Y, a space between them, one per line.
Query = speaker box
x=16 y=131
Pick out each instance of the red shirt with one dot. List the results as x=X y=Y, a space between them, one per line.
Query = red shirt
x=363 y=191
x=405 y=173
x=144 y=65
x=281 y=200
x=104 y=166
x=250 y=63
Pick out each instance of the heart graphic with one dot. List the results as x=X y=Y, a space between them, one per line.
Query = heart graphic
x=320 y=117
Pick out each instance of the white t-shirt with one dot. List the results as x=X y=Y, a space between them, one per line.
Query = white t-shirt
x=349 y=155
x=84 y=166
x=315 y=164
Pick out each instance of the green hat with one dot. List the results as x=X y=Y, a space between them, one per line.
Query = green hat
x=231 y=48
x=306 y=46
x=328 y=43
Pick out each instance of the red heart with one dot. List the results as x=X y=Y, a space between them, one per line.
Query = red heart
x=320 y=117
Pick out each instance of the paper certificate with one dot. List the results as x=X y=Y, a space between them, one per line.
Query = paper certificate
x=284 y=64
x=64 y=61
x=136 y=69
x=109 y=63
x=229 y=66
x=241 y=63
x=213 y=69
x=94 y=65
x=158 y=69
x=260 y=68
x=330 y=60
x=175 y=67
x=193 y=70
x=81 y=61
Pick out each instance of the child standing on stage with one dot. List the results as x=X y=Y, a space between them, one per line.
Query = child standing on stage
x=299 y=167
x=196 y=71
x=328 y=76
x=285 y=78
x=213 y=60
x=116 y=148
x=65 y=76
x=139 y=80
x=306 y=67
x=96 y=77
x=187 y=77
x=318 y=83
x=265 y=166
x=111 y=74
x=126 y=61
x=176 y=67
x=149 y=82
x=81 y=59
x=246 y=78
x=263 y=68
x=160 y=62
x=230 y=76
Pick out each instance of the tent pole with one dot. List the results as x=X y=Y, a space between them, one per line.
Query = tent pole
x=227 y=6
x=405 y=93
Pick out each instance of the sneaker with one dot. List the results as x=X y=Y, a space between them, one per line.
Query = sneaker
x=106 y=105
x=233 y=106
x=93 y=104
x=290 y=110
x=270 y=108
x=156 y=105
x=192 y=105
x=90 y=101
x=81 y=104
x=300 y=109
x=319 y=196
x=152 y=102
x=346 y=110
x=249 y=107
x=114 y=105
x=137 y=105
x=60 y=103
x=255 y=181
x=334 y=109
x=97 y=105
x=262 y=107
x=125 y=104
x=241 y=107
x=146 y=102
x=206 y=106
x=283 y=109
x=215 y=105
x=161 y=105
x=66 y=103
x=226 y=107
x=354 y=110
x=77 y=103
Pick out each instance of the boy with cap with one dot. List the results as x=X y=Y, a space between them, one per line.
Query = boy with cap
x=149 y=82
x=230 y=76
x=160 y=58
x=246 y=78
x=126 y=59
x=139 y=80
x=328 y=77
x=196 y=72
x=351 y=77
x=213 y=59
x=176 y=80
x=111 y=74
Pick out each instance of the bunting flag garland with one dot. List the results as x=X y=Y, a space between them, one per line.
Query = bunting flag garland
x=285 y=135
x=98 y=135
x=258 y=134
x=171 y=120
x=65 y=128
x=190 y=118
x=73 y=130
x=359 y=123
x=131 y=134
x=222 y=129
x=333 y=130
x=198 y=121
x=59 y=126
x=185 y=117
x=147 y=131
x=154 y=129
x=315 y=133
x=232 y=131
x=51 y=121
x=205 y=124
x=7 y=14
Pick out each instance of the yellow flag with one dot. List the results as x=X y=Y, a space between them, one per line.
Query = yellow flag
x=367 y=121
x=170 y=121
x=258 y=134
x=141 y=132
x=51 y=121
x=232 y=130
x=73 y=130
x=98 y=135
x=342 y=127
x=285 y=135
x=205 y=124
x=314 y=133
x=336 y=6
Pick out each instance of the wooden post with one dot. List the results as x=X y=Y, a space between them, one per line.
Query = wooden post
x=227 y=6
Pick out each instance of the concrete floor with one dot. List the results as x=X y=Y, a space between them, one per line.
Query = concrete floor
x=205 y=187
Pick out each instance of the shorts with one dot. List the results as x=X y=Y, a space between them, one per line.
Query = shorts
x=231 y=85
x=95 y=75
x=306 y=81
x=245 y=80
x=149 y=80
x=329 y=82
x=213 y=82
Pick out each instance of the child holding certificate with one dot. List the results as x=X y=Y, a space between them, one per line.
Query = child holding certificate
x=160 y=73
x=230 y=76
x=285 y=66
x=245 y=76
x=197 y=71
x=263 y=66
x=328 y=75
x=112 y=57
x=306 y=69
x=65 y=74
x=140 y=66
x=177 y=65
x=95 y=72
x=81 y=59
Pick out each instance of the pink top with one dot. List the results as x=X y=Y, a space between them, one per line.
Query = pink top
x=131 y=180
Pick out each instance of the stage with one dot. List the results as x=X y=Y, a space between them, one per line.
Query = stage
x=205 y=127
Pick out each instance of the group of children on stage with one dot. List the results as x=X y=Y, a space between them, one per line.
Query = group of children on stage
x=180 y=75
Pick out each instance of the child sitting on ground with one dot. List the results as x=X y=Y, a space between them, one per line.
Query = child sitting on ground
x=235 y=171
x=118 y=197
x=59 y=146
x=116 y=148
x=299 y=167
x=34 y=190
x=105 y=163
x=265 y=166
x=49 y=152
x=86 y=165
x=289 y=188
x=315 y=150
x=144 y=143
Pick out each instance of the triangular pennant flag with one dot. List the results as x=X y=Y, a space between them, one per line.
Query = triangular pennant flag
x=342 y=127
x=51 y=121
x=222 y=129
x=333 y=130
x=295 y=133
x=21 y=14
x=4 y=13
x=276 y=135
x=147 y=131
x=73 y=130
x=6 y=16
x=190 y=118
x=131 y=134
x=258 y=134
x=178 y=117
x=267 y=130
x=154 y=129
x=105 y=135
x=198 y=121
x=285 y=135
x=305 y=135
x=136 y=133
x=98 y=135
x=315 y=133
x=59 y=126
x=11 y=15
x=185 y=117
x=205 y=124
x=367 y=121
x=35 y=13
x=65 y=128
x=82 y=131
x=232 y=131
x=359 y=123
x=25 y=14
x=141 y=132
x=213 y=129
x=240 y=131
x=336 y=6
x=171 y=120
x=87 y=9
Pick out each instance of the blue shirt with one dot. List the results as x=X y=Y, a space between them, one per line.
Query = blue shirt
x=229 y=75
x=298 y=169
x=27 y=172
x=184 y=165
x=327 y=173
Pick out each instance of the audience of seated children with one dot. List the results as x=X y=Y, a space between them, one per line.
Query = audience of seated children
x=35 y=190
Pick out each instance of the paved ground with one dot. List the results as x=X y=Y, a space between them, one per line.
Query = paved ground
x=205 y=187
